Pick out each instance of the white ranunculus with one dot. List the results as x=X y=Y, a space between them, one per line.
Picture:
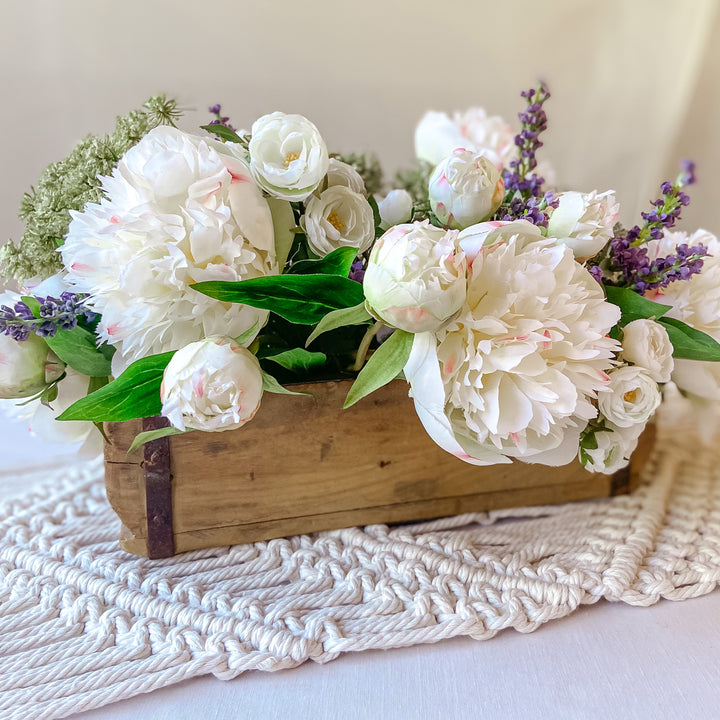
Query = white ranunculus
x=213 y=384
x=395 y=208
x=340 y=173
x=615 y=445
x=465 y=188
x=584 y=221
x=178 y=209
x=339 y=218
x=437 y=135
x=415 y=278
x=646 y=343
x=516 y=373
x=288 y=156
x=632 y=396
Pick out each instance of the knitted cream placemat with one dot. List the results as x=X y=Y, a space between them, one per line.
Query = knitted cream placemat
x=83 y=624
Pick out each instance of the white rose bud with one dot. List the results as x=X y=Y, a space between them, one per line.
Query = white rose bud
x=615 y=445
x=632 y=396
x=339 y=218
x=288 y=157
x=395 y=208
x=212 y=384
x=340 y=173
x=646 y=343
x=27 y=366
x=465 y=189
x=584 y=221
x=415 y=278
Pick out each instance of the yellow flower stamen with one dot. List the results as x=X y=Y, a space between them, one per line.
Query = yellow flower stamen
x=290 y=157
x=336 y=221
x=630 y=396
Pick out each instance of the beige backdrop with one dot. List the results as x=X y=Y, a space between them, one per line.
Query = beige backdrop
x=635 y=83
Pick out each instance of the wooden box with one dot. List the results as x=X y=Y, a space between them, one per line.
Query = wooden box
x=305 y=464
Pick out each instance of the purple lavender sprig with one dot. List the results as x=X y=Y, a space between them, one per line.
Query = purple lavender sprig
x=629 y=264
x=219 y=118
x=524 y=189
x=54 y=314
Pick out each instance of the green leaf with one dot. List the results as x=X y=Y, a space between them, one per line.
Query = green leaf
x=384 y=365
x=32 y=303
x=77 y=348
x=357 y=315
x=249 y=334
x=96 y=383
x=135 y=394
x=302 y=299
x=634 y=306
x=376 y=216
x=148 y=435
x=690 y=343
x=224 y=133
x=298 y=359
x=49 y=394
x=270 y=384
x=338 y=262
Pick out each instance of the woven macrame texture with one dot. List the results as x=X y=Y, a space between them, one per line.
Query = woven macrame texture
x=83 y=624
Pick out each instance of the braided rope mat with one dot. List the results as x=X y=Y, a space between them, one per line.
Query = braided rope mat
x=83 y=624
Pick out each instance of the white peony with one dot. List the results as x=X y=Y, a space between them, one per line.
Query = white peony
x=178 y=210
x=464 y=189
x=395 y=208
x=632 y=396
x=415 y=278
x=340 y=173
x=696 y=302
x=288 y=156
x=213 y=384
x=646 y=343
x=437 y=135
x=584 y=221
x=615 y=445
x=339 y=218
x=516 y=373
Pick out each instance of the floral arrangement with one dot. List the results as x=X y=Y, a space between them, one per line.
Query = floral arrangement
x=184 y=275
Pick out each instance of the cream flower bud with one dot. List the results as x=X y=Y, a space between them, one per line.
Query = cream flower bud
x=213 y=384
x=632 y=396
x=415 y=278
x=339 y=218
x=288 y=157
x=614 y=447
x=646 y=343
x=584 y=221
x=340 y=173
x=465 y=189
x=395 y=208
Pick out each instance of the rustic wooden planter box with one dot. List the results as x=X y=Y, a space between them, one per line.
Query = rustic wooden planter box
x=304 y=465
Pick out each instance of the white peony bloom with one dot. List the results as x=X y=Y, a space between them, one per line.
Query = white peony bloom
x=395 y=208
x=632 y=396
x=584 y=221
x=437 y=135
x=516 y=373
x=646 y=343
x=464 y=189
x=339 y=218
x=615 y=445
x=415 y=278
x=178 y=210
x=213 y=384
x=696 y=302
x=288 y=156
x=340 y=173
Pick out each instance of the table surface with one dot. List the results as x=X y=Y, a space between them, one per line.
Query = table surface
x=608 y=660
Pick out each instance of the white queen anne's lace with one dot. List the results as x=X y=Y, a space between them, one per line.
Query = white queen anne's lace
x=516 y=373
x=178 y=210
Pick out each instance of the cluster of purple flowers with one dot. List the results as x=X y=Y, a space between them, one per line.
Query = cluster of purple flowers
x=54 y=314
x=630 y=257
x=219 y=118
x=523 y=185
x=357 y=271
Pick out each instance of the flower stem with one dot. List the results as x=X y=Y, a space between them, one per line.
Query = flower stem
x=372 y=331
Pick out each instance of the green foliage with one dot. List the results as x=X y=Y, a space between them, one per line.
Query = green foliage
x=368 y=168
x=357 y=315
x=415 y=180
x=270 y=384
x=148 y=435
x=690 y=343
x=298 y=359
x=338 y=262
x=385 y=365
x=68 y=185
x=634 y=306
x=77 y=348
x=224 y=133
